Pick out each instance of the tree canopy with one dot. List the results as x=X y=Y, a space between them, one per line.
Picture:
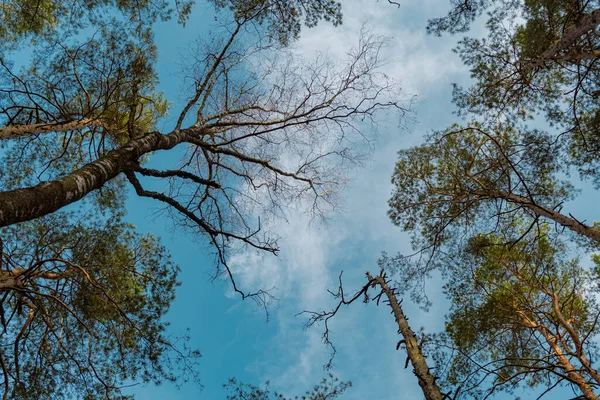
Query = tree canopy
x=486 y=202
x=82 y=311
x=520 y=315
x=83 y=294
x=258 y=129
x=538 y=58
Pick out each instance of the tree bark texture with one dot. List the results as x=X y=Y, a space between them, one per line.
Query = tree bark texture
x=413 y=349
x=29 y=203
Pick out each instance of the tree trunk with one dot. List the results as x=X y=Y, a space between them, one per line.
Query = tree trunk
x=574 y=376
x=413 y=349
x=567 y=222
x=29 y=203
x=12 y=132
x=579 y=352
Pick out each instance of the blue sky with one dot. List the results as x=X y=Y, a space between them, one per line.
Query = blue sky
x=232 y=335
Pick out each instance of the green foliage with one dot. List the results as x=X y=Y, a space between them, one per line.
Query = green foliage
x=475 y=197
x=284 y=18
x=87 y=312
x=452 y=181
x=22 y=18
x=538 y=57
x=32 y=20
x=466 y=180
x=545 y=21
x=100 y=325
x=459 y=19
x=469 y=196
x=503 y=315
x=109 y=79
x=534 y=37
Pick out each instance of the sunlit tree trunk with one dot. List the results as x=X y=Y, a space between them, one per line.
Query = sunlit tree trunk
x=572 y=373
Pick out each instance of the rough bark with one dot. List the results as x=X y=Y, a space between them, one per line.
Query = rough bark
x=29 y=203
x=16 y=131
x=413 y=349
x=571 y=223
x=10 y=282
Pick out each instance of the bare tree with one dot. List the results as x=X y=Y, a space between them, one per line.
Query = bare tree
x=261 y=128
x=412 y=344
x=251 y=102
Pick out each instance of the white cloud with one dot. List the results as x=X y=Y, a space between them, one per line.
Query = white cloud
x=312 y=255
x=419 y=61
